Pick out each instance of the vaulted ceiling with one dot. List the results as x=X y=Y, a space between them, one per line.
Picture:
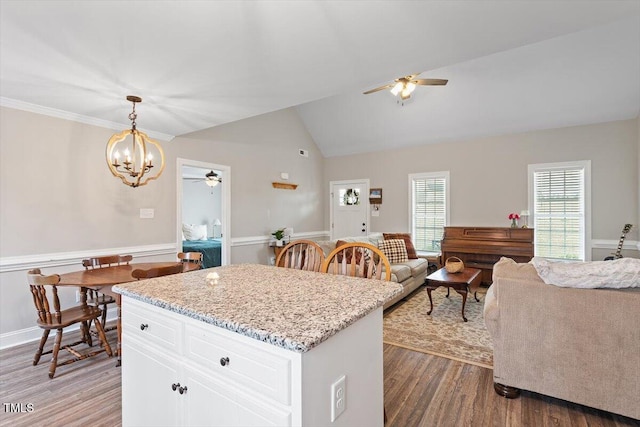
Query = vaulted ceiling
x=512 y=66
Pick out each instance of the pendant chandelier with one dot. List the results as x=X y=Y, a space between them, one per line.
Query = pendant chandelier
x=135 y=164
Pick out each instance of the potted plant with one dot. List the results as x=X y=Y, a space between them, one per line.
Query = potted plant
x=279 y=236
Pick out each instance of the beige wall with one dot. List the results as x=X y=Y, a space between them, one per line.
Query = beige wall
x=57 y=195
x=258 y=150
x=489 y=175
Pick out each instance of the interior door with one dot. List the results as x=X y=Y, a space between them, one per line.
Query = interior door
x=349 y=208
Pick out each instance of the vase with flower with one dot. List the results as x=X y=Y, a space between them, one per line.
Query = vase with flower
x=514 y=217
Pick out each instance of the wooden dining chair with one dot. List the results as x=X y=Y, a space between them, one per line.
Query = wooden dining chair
x=358 y=259
x=157 y=271
x=51 y=316
x=194 y=257
x=301 y=255
x=97 y=298
x=106 y=261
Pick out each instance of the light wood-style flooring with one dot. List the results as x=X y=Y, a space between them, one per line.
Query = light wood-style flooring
x=420 y=390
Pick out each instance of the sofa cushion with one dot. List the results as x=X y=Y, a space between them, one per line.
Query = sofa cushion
x=401 y=271
x=411 y=250
x=418 y=267
x=394 y=250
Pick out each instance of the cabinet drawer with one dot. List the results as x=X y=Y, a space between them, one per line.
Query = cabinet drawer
x=256 y=369
x=149 y=325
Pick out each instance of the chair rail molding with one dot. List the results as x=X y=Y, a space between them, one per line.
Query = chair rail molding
x=259 y=240
x=613 y=244
x=57 y=259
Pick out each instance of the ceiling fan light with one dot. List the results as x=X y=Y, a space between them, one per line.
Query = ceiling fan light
x=397 y=88
x=211 y=182
x=410 y=87
x=405 y=94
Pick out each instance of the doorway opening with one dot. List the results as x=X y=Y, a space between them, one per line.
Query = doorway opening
x=204 y=211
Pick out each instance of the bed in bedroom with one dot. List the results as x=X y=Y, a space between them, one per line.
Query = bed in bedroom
x=210 y=249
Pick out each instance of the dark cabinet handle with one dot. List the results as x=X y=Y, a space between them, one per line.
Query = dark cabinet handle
x=175 y=386
x=182 y=390
x=363 y=230
x=143 y=326
x=224 y=361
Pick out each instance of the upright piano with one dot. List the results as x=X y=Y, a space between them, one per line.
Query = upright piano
x=481 y=247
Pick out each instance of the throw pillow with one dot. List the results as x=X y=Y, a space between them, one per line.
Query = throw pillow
x=411 y=250
x=194 y=232
x=349 y=253
x=395 y=250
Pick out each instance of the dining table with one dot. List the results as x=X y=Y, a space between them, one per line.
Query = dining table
x=103 y=279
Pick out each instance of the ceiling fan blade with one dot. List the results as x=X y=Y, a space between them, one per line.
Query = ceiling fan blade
x=430 y=82
x=389 y=86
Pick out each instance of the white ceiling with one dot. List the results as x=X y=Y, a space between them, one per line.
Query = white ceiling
x=512 y=65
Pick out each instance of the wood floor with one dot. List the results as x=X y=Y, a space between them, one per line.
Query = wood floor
x=420 y=390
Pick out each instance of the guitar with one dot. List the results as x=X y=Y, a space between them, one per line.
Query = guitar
x=616 y=255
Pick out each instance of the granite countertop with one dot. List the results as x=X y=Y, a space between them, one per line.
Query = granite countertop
x=293 y=309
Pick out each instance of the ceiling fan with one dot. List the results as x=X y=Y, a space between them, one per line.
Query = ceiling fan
x=211 y=179
x=404 y=86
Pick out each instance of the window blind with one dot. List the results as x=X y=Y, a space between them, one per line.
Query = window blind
x=429 y=212
x=559 y=213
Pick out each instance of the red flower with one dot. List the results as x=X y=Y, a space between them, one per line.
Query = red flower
x=514 y=216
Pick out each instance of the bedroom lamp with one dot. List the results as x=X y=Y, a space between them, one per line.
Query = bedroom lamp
x=136 y=162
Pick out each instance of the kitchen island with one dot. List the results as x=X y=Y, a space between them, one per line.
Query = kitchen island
x=254 y=345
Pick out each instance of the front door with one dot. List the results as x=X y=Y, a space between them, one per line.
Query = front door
x=349 y=208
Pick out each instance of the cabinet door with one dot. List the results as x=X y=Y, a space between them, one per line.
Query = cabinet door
x=210 y=402
x=147 y=396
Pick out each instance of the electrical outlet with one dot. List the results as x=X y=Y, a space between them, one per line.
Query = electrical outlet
x=338 y=397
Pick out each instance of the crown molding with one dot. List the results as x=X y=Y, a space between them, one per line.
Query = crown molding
x=66 y=115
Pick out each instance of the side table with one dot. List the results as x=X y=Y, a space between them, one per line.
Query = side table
x=463 y=282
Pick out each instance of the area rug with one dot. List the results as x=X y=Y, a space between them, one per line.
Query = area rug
x=443 y=333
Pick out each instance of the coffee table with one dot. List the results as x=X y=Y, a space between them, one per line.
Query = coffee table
x=463 y=282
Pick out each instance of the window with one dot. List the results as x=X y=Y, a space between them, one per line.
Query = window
x=428 y=209
x=559 y=195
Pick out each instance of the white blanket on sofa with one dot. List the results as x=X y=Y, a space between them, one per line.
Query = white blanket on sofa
x=619 y=273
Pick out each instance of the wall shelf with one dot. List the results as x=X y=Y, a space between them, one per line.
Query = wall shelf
x=284 y=185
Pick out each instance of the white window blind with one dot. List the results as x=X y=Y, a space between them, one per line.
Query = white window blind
x=429 y=209
x=559 y=210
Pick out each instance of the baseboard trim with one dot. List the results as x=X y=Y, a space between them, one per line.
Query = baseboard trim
x=24 y=336
x=58 y=259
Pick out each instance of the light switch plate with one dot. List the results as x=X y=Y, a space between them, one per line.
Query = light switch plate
x=147 y=213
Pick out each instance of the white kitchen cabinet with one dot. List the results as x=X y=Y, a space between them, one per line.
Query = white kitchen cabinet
x=228 y=379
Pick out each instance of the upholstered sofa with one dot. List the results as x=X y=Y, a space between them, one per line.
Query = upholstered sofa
x=409 y=274
x=580 y=345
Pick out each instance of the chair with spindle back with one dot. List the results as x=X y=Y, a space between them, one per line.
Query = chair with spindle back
x=194 y=257
x=301 y=255
x=358 y=259
x=157 y=271
x=94 y=297
x=51 y=316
